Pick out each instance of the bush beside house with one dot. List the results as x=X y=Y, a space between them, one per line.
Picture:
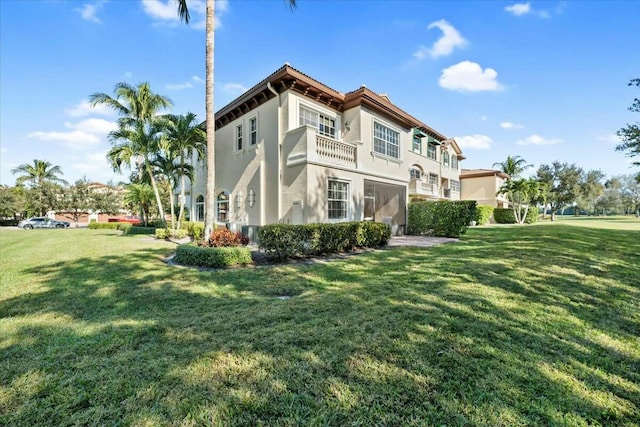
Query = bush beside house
x=441 y=218
x=483 y=214
x=505 y=216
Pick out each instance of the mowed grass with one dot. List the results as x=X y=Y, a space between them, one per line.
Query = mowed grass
x=619 y=222
x=511 y=326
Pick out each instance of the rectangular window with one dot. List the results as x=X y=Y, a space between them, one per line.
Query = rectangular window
x=386 y=141
x=431 y=151
x=433 y=179
x=253 y=130
x=239 y=137
x=326 y=125
x=337 y=199
x=454 y=162
x=417 y=144
x=445 y=159
x=455 y=186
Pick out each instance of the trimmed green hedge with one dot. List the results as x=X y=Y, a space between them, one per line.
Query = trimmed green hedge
x=505 y=216
x=137 y=230
x=483 y=214
x=8 y=222
x=283 y=241
x=204 y=256
x=108 y=225
x=165 y=233
x=442 y=218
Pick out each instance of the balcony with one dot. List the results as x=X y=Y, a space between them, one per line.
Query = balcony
x=421 y=188
x=304 y=145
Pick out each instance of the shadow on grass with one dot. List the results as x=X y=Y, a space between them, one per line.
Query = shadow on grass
x=526 y=326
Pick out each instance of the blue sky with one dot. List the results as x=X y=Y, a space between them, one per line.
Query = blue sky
x=543 y=80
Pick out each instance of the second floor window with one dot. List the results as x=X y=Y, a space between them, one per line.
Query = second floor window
x=433 y=179
x=431 y=151
x=239 y=137
x=455 y=186
x=386 y=141
x=415 y=173
x=253 y=130
x=326 y=125
x=417 y=144
x=454 y=162
x=445 y=159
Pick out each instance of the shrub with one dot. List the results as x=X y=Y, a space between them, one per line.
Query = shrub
x=133 y=229
x=483 y=214
x=505 y=216
x=104 y=226
x=165 y=233
x=8 y=222
x=283 y=241
x=221 y=237
x=195 y=230
x=441 y=218
x=213 y=257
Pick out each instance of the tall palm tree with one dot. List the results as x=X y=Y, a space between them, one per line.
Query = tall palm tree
x=183 y=12
x=43 y=178
x=513 y=166
x=39 y=172
x=137 y=136
x=184 y=137
x=139 y=144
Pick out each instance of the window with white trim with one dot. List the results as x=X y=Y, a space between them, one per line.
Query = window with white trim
x=445 y=159
x=222 y=207
x=455 y=185
x=431 y=151
x=239 y=137
x=337 y=199
x=417 y=144
x=326 y=125
x=386 y=141
x=253 y=130
x=199 y=208
x=415 y=173
x=454 y=162
x=433 y=178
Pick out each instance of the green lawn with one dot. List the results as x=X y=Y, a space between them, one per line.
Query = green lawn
x=531 y=325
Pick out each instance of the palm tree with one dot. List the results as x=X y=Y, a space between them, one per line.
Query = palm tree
x=43 y=178
x=183 y=12
x=513 y=166
x=184 y=137
x=41 y=171
x=165 y=166
x=140 y=195
x=521 y=192
x=138 y=135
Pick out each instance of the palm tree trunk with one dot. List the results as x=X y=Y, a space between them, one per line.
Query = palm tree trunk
x=182 y=191
x=211 y=125
x=157 y=193
x=173 y=213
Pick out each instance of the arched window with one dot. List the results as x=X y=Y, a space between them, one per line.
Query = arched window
x=199 y=208
x=415 y=172
x=222 y=205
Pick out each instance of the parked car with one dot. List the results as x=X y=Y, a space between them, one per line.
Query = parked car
x=40 y=222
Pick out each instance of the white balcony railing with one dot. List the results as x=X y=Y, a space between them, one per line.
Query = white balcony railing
x=419 y=187
x=335 y=152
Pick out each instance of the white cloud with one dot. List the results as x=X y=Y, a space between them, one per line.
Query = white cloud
x=519 y=9
x=95 y=166
x=449 y=40
x=178 y=86
x=612 y=139
x=509 y=125
x=128 y=74
x=538 y=140
x=234 y=88
x=165 y=12
x=83 y=134
x=474 y=142
x=467 y=76
x=84 y=108
x=197 y=79
x=89 y=11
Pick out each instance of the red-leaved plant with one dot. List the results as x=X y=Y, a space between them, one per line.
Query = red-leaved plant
x=221 y=237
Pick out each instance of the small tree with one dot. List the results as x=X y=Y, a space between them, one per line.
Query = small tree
x=630 y=135
x=564 y=183
x=522 y=192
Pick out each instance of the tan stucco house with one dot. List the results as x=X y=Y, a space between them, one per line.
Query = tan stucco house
x=293 y=150
x=482 y=185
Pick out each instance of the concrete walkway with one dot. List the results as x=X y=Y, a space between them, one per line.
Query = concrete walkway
x=419 y=241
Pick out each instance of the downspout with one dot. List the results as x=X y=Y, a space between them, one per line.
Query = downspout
x=276 y=93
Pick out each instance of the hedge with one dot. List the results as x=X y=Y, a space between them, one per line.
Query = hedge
x=165 y=233
x=442 y=218
x=8 y=222
x=483 y=214
x=195 y=230
x=505 y=216
x=108 y=225
x=203 y=256
x=137 y=230
x=283 y=241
